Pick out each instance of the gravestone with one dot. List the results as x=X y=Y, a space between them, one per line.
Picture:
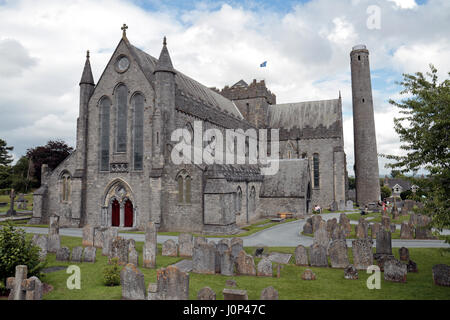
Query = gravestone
x=405 y=211
x=132 y=282
x=344 y=221
x=362 y=229
x=133 y=257
x=15 y=283
x=119 y=250
x=206 y=293
x=308 y=228
x=395 y=271
x=269 y=293
x=184 y=265
x=412 y=266
x=321 y=236
x=406 y=231
x=338 y=253
x=385 y=222
x=63 y=254
x=279 y=257
x=374 y=228
x=204 y=258
x=21 y=202
x=308 y=275
x=341 y=205
x=394 y=211
x=33 y=287
x=172 y=284
x=264 y=268
x=349 y=205
x=237 y=245
x=89 y=254
x=441 y=275
x=231 y=283
x=99 y=237
x=54 y=241
x=331 y=224
x=423 y=230
x=350 y=273
x=222 y=246
x=77 y=254
x=185 y=244
x=226 y=263
x=108 y=237
x=88 y=235
x=42 y=242
x=334 y=206
x=234 y=294
x=338 y=233
x=384 y=242
x=362 y=253
x=170 y=248
x=382 y=259
x=245 y=264
x=150 y=249
x=131 y=244
x=301 y=256
x=152 y=291
x=318 y=255
x=315 y=221
x=393 y=227
x=404 y=254
x=198 y=240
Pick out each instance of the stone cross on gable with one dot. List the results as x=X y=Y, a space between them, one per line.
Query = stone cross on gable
x=124 y=29
x=23 y=288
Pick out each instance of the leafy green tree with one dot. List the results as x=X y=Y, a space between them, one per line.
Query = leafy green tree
x=385 y=192
x=407 y=194
x=351 y=183
x=5 y=177
x=5 y=157
x=424 y=130
x=21 y=177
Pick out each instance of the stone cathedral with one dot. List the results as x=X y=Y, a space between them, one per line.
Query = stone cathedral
x=121 y=173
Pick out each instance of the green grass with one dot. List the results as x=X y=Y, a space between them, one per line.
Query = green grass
x=377 y=217
x=330 y=283
x=352 y=235
x=5 y=198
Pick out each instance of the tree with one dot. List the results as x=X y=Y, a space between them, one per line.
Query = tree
x=5 y=158
x=424 y=130
x=52 y=154
x=351 y=183
x=407 y=194
x=21 y=177
x=385 y=192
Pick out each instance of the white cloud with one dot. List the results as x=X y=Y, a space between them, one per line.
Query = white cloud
x=405 y=4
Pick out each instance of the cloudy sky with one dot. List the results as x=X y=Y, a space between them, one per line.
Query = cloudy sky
x=306 y=45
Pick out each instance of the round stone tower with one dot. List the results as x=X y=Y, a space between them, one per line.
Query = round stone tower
x=366 y=159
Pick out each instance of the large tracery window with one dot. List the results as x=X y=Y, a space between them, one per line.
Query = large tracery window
x=138 y=146
x=105 y=106
x=121 y=103
x=316 y=173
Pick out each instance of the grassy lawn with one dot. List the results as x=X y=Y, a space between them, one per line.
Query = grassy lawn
x=330 y=283
x=352 y=235
x=377 y=217
x=5 y=198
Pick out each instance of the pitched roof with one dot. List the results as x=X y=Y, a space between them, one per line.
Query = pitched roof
x=187 y=85
x=310 y=114
x=405 y=184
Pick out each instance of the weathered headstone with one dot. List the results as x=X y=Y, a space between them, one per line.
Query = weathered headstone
x=341 y=205
x=222 y=246
x=204 y=258
x=338 y=253
x=334 y=206
x=374 y=228
x=206 y=293
x=264 y=268
x=170 y=248
x=362 y=229
x=308 y=228
x=349 y=205
x=63 y=254
x=33 y=287
x=237 y=245
x=321 y=236
x=350 y=273
x=231 y=283
x=99 y=237
x=279 y=257
x=385 y=222
x=108 y=236
x=412 y=266
x=308 y=275
x=269 y=293
x=301 y=256
x=406 y=231
x=245 y=264
x=15 y=283
x=234 y=294
x=88 y=235
x=42 y=242
x=133 y=257
x=89 y=254
x=119 y=250
x=172 y=284
x=382 y=259
x=315 y=221
x=152 y=291
x=338 y=233
x=133 y=283
x=331 y=224
x=423 y=230
x=185 y=244
x=150 y=249
x=384 y=242
x=54 y=241
x=395 y=271
x=344 y=221
x=198 y=240
x=184 y=265
x=318 y=255
x=362 y=253
x=441 y=275
x=404 y=254
x=77 y=254
x=226 y=263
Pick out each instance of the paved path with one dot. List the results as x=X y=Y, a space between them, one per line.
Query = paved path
x=282 y=235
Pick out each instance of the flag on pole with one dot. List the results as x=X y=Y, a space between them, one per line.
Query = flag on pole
x=262 y=65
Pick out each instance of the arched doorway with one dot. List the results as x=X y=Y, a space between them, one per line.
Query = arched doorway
x=128 y=214
x=115 y=210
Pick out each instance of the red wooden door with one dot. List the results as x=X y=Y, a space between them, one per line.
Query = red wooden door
x=128 y=213
x=115 y=213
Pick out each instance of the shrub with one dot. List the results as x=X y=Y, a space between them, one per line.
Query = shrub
x=111 y=273
x=386 y=192
x=16 y=250
x=407 y=194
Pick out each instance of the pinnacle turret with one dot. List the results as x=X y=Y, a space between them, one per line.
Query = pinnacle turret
x=87 y=77
x=164 y=61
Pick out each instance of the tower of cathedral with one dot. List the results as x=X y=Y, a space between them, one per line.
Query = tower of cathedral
x=365 y=143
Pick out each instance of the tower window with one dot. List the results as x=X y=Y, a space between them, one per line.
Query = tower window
x=359 y=57
x=138 y=102
x=121 y=103
x=105 y=106
x=316 y=170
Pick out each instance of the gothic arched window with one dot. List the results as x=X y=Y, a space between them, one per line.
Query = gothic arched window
x=184 y=187
x=138 y=146
x=121 y=103
x=105 y=106
x=316 y=173
x=66 y=186
x=239 y=200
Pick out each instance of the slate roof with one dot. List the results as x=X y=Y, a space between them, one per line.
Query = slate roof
x=234 y=172
x=405 y=184
x=289 y=182
x=300 y=115
x=188 y=86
